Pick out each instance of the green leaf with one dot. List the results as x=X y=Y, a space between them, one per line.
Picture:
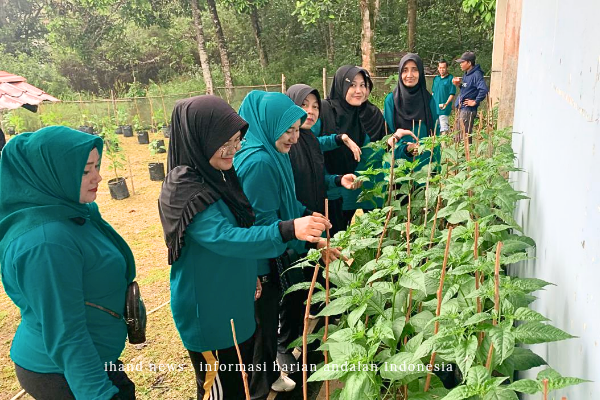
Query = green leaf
x=548 y=373
x=413 y=279
x=400 y=365
x=527 y=314
x=345 y=351
x=425 y=348
x=459 y=216
x=477 y=375
x=504 y=342
x=477 y=318
x=342 y=335
x=359 y=385
x=398 y=326
x=528 y=386
x=327 y=373
x=355 y=315
x=413 y=344
x=337 y=306
x=536 y=332
x=460 y=393
x=498 y=228
x=465 y=352
x=421 y=319
x=523 y=359
x=501 y=394
x=560 y=383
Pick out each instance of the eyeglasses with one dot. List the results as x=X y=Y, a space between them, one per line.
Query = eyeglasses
x=235 y=146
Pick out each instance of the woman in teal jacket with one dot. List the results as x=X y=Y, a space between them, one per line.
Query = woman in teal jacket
x=213 y=244
x=266 y=174
x=57 y=254
x=410 y=112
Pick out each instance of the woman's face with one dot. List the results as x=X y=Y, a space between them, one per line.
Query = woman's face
x=288 y=139
x=357 y=93
x=223 y=157
x=410 y=74
x=91 y=178
x=311 y=106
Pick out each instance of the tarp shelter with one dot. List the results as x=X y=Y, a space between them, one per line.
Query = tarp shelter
x=15 y=92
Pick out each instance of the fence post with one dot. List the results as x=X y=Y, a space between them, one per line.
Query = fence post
x=283 y=88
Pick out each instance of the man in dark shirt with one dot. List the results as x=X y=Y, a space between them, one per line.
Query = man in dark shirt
x=473 y=91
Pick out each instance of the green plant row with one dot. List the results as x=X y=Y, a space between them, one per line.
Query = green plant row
x=387 y=304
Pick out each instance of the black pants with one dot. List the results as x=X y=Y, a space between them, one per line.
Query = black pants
x=55 y=386
x=219 y=373
x=266 y=312
x=465 y=121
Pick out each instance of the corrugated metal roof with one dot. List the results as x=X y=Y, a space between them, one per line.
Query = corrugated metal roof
x=16 y=92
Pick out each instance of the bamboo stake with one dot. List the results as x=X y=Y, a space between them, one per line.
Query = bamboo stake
x=326 y=353
x=19 y=395
x=81 y=104
x=131 y=176
x=265 y=84
x=137 y=110
x=488 y=363
x=439 y=305
x=389 y=202
x=112 y=96
x=242 y=366
x=152 y=121
x=477 y=273
x=437 y=208
x=545 y=382
x=162 y=99
x=305 y=332
x=283 y=88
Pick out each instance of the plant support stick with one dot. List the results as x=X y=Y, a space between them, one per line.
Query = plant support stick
x=488 y=364
x=325 y=353
x=305 y=332
x=439 y=305
x=242 y=366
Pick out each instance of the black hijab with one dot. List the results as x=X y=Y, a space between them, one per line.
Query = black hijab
x=372 y=121
x=337 y=116
x=412 y=104
x=307 y=159
x=200 y=126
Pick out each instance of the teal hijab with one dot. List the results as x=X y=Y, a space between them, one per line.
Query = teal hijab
x=270 y=115
x=40 y=182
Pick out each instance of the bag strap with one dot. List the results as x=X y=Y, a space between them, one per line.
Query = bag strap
x=106 y=310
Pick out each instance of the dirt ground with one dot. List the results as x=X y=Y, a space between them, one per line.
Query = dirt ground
x=166 y=372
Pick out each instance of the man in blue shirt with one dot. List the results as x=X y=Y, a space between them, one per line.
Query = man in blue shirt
x=473 y=91
x=443 y=92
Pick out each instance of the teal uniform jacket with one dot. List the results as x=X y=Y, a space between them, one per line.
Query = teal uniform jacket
x=214 y=279
x=49 y=272
x=441 y=90
x=262 y=184
x=388 y=115
x=350 y=197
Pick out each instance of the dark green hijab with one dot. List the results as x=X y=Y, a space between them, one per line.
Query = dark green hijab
x=40 y=182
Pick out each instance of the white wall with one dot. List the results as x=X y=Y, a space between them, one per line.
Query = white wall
x=557 y=111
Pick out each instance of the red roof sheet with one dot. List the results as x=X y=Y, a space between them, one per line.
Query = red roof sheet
x=15 y=92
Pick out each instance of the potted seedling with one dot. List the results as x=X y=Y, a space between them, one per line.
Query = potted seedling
x=13 y=123
x=87 y=125
x=160 y=116
x=113 y=151
x=141 y=131
x=157 y=169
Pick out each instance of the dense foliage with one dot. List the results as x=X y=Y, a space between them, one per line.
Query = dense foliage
x=99 y=45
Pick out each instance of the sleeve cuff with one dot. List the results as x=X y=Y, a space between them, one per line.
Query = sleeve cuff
x=287 y=231
x=338 y=180
x=338 y=139
x=307 y=213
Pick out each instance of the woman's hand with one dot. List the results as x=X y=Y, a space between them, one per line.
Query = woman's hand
x=399 y=134
x=352 y=146
x=350 y=182
x=310 y=228
x=258 y=291
x=412 y=148
x=333 y=254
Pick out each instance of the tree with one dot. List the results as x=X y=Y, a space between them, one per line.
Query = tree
x=250 y=7
x=412 y=25
x=366 y=36
x=222 y=45
x=202 y=47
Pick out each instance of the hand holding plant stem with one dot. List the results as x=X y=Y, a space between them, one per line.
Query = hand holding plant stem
x=354 y=148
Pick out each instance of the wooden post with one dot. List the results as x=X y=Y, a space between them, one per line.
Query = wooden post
x=131 y=176
x=152 y=121
x=283 y=88
x=488 y=363
x=114 y=103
